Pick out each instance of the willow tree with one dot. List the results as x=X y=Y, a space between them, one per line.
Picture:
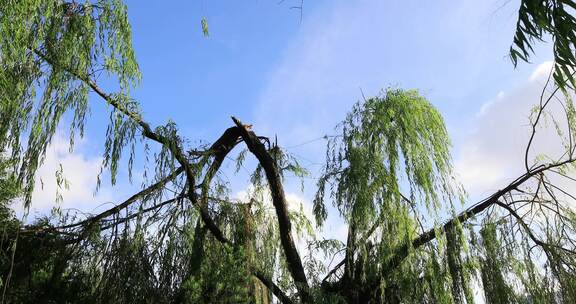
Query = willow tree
x=182 y=238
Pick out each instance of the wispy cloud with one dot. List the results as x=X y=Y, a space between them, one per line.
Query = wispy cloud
x=495 y=147
x=80 y=173
x=454 y=53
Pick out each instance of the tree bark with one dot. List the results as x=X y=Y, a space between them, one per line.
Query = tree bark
x=280 y=205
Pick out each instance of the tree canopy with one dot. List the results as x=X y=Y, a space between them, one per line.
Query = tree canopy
x=183 y=238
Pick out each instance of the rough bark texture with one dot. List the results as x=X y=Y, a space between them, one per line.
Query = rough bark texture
x=220 y=149
x=281 y=206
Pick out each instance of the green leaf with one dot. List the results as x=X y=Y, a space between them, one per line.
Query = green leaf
x=204 y=23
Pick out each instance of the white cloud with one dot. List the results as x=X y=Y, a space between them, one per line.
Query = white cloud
x=542 y=71
x=347 y=47
x=487 y=105
x=79 y=170
x=495 y=148
x=296 y=202
x=478 y=171
x=453 y=53
x=345 y=50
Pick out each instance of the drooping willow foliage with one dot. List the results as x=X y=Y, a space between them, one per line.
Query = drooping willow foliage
x=49 y=50
x=184 y=238
x=399 y=131
x=394 y=141
x=8 y=184
x=387 y=174
x=548 y=19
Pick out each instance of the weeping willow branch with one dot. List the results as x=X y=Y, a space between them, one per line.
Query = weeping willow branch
x=364 y=238
x=528 y=231
x=273 y=287
x=147 y=191
x=221 y=148
x=136 y=117
x=404 y=250
x=143 y=211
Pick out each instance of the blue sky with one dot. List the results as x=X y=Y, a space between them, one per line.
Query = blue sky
x=297 y=78
x=260 y=57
